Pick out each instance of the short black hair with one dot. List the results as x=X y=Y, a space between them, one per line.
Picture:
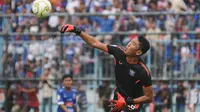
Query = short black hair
x=144 y=44
x=67 y=76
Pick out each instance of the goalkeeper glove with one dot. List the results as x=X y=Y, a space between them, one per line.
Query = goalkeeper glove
x=70 y=28
x=119 y=104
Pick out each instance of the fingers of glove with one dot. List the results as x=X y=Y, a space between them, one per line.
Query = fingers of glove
x=119 y=95
x=63 y=29
x=112 y=101
x=114 y=110
x=70 y=28
x=111 y=105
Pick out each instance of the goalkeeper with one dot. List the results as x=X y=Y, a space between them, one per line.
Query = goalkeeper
x=133 y=79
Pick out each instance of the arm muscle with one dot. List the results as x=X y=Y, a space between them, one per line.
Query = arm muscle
x=93 y=42
x=147 y=97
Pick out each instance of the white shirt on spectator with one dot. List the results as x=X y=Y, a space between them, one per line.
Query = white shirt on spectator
x=72 y=4
x=53 y=21
x=35 y=49
x=50 y=48
x=46 y=89
x=192 y=97
x=185 y=51
x=178 y=5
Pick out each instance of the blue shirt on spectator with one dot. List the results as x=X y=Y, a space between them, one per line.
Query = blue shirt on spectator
x=168 y=51
x=67 y=98
x=177 y=61
x=105 y=24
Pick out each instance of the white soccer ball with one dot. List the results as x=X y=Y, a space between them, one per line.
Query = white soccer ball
x=41 y=8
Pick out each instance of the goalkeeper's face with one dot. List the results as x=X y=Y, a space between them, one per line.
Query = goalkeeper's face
x=67 y=82
x=133 y=48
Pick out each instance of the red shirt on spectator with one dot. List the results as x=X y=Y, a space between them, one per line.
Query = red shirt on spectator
x=32 y=98
x=198 y=52
x=1 y=2
x=20 y=100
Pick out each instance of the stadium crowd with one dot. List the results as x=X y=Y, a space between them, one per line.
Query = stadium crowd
x=40 y=56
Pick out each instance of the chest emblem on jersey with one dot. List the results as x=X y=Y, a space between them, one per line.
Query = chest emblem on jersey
x=65 y=96
x=131 y=72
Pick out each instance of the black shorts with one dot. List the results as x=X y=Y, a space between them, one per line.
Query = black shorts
x=127 y=110
x=136 y=108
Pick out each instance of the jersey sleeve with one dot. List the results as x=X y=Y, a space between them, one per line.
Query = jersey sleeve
x=59 y=97
x=146 y=79
x=115 y=50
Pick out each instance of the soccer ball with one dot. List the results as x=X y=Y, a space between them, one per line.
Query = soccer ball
x=41 y=8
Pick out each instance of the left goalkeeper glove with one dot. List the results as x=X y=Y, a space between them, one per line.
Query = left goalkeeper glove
x=119 y=104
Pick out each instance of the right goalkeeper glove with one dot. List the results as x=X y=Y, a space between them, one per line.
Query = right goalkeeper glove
x=70 y=28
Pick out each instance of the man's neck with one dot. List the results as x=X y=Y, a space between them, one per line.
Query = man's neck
x=132 y=60
x=67 y=88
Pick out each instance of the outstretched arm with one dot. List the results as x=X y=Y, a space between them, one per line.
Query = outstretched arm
x=93 y=41
x=86 y=37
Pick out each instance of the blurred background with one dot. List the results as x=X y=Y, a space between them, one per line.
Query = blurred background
x=33 y=54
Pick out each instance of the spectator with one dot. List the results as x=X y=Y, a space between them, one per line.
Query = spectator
x=185 y=51
x=191 y=60
x=176 y=62
x=31 y=90
x=8 y=104
x=198 y=45
x=157 y=96
x=192 y=97
x=35 y=48
x=9 y=65
x=85 y=25
x=179 y=5
x=180 y=97
x=140 y=6
x=19 y=105
x=162 y=5
x=67 y=103
x=82 y=99
x=106 y=25
x=53 y=22
x=165 y=98
x=132 y=25
x=76 y=66
x=34 y=26
x=153 y=5
x=104 y=95
x=38 y=68
x=72 y=6
x=47 y=86
x=66 y=68
x=6 y=27
x=161 y=22
x=2 y=97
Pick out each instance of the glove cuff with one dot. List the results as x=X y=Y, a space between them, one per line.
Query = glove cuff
x=77 y=31
x=129 y=101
